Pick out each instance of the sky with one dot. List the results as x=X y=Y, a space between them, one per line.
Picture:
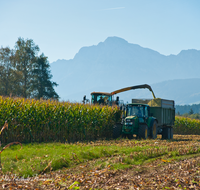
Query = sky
x=61 y=27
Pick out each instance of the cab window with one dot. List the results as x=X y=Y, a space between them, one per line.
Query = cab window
x=146 y=111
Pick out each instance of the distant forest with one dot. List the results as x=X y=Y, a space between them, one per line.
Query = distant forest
x=190 y=109
x=24 y=73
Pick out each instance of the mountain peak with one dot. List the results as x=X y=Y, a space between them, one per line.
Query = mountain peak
x=115 y=40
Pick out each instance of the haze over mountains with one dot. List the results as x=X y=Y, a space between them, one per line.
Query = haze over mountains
x=115 y=64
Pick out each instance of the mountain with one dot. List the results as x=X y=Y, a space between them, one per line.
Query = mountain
x=115 y=63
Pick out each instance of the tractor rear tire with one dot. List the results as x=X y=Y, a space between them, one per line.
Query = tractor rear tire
x=117 y=131
x=143 y=131
x=153 y=130
x=166 y=133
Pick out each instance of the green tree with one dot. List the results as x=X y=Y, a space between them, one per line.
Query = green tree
x=191 y=111
x=24 y=62
x=6 y=71
x=23 y=73
x=42 y=85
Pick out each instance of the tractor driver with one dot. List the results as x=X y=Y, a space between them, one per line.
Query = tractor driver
x=101 y=100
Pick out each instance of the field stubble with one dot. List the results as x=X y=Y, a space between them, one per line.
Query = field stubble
x=115 y=164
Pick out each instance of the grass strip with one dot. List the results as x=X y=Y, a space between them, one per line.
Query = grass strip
x=37 y=158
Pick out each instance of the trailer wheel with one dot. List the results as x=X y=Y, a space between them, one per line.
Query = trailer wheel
x=166 y=133
x=153 y=130
x=143 y=131
x=117 y=131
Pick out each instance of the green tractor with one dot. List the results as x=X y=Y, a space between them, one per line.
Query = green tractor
x=139 y=122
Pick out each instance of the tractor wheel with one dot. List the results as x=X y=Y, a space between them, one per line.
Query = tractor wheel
x=143 y=131
x=117 y=131
x=166 y=134
x=153 y=130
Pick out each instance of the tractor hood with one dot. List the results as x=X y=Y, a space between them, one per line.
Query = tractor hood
x=131 y=117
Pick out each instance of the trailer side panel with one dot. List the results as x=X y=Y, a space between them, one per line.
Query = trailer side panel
x=165 y=116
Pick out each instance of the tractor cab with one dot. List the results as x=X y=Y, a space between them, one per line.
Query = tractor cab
x=104 y=98
x=101 y=98
x=139 y=110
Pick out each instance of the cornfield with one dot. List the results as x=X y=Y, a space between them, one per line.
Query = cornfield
x=186 y=126
x=32 y=120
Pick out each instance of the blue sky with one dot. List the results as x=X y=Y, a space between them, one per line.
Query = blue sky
x=62 y=27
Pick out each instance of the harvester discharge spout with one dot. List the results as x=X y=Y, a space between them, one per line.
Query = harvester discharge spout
x=133 y=88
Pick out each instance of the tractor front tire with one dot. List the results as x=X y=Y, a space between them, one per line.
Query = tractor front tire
x=117 y=131
x=143 y=131
x=153 y=130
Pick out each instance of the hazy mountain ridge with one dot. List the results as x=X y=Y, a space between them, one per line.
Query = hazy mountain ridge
x=115 y=64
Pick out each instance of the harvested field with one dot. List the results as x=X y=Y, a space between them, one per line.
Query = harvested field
x=164 y=165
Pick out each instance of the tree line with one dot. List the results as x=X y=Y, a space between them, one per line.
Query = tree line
x=24 y=73
x=190 y=109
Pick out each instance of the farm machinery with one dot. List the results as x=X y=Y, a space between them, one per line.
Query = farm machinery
x=144 y=118
x=147 y=118
x=104 y=98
